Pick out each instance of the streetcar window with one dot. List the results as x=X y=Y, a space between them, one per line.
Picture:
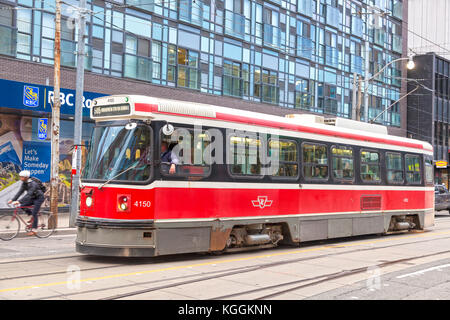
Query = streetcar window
x=183 y=153
x=119 y=154
x=428 y=170
x=342 y=163
x=394 y=167
x=245 y=154
x=287 y=158
x=370 y=166
x=315 y=161
x=412 y=169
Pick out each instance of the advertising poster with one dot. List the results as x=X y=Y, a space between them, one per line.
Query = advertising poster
x=25 y=141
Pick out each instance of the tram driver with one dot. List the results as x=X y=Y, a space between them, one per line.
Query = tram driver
x=168 y=156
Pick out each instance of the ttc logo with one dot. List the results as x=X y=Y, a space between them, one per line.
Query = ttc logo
x=31 y=96
x=262 y=202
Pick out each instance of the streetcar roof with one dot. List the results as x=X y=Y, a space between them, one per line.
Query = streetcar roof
x=155 y=108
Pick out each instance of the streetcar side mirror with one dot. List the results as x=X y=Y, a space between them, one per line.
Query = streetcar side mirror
x=130 y=125
x=168 y=129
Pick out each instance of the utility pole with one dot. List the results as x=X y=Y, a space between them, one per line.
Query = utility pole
x=55 y=118
x=354 y=90
x=76 y=159
x=366 y=84
x=358 y=107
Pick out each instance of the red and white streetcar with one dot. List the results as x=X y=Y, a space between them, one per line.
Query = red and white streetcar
x=166 y=177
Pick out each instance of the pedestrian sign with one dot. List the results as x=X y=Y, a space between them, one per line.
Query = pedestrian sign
x=42 y=128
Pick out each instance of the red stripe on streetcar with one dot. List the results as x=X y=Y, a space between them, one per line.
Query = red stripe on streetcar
x=296 y=127
x=145 y=107
x=201 y=203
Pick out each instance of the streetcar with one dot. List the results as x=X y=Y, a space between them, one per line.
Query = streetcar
x=169 y=177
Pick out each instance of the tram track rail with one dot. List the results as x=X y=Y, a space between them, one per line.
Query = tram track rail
x=323 y=278
x=317 y=279
x=205 y=276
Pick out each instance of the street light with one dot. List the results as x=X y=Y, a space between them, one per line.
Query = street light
x=410 y=65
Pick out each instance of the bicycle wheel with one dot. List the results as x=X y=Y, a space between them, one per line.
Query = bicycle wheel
x=9 y=227
x=45 y=219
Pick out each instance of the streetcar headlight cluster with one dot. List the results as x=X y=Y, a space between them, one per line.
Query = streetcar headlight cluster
x=88 y=201
x=123 y=203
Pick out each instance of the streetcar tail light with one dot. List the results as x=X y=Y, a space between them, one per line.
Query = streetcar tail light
x=123 y=203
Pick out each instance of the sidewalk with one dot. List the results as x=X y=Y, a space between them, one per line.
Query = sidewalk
x=61 y=228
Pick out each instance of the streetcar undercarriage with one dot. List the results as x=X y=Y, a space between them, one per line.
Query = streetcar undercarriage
x=148 y=239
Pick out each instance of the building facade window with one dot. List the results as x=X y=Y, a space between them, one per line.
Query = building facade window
x=269 y=86
x=235 y=79
x=138 y=62
x=8 y=34
x=188 y=73
x=303 y=97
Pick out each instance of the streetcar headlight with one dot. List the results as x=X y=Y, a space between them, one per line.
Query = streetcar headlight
x=123 y=206
x=88 y=201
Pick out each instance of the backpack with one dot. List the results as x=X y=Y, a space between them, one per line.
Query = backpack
x=40 y=184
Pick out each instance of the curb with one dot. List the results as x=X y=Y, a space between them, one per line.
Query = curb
x=61 y=231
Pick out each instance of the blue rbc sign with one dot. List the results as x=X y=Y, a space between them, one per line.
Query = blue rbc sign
x=31 y=96
x=42 y=128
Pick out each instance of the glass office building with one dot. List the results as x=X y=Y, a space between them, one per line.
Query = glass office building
x=429 y=109
x=298 y=55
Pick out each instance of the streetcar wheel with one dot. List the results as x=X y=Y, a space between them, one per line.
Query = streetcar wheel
x=45 y=219
x=9 y=227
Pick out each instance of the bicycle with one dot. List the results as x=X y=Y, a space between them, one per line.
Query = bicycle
x=10 y=224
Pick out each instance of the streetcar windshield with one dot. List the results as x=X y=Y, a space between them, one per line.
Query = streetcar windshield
x=119 y=153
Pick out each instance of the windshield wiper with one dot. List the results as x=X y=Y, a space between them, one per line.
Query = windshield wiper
x=134 y=165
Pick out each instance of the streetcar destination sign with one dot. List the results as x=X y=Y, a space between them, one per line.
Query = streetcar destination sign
x=111 y=110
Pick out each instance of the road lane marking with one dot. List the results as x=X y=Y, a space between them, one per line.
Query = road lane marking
x=223 y=261
x=421 y=272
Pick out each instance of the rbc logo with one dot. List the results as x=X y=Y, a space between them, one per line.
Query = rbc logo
x=30 y=96
x=42 y=129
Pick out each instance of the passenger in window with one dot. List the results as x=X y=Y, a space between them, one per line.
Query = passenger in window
x=347 y=172
x=167 y=156
x=317 y=172
x=236 y=169
x=323 y=172
x=254 y=169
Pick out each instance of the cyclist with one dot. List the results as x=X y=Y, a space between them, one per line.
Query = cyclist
x=34 y=197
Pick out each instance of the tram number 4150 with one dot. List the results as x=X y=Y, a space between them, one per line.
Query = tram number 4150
x=142 y=204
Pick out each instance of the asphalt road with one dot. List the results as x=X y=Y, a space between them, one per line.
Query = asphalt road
x=413 y=265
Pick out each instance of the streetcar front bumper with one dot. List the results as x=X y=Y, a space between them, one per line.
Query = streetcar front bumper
x=115 y=238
